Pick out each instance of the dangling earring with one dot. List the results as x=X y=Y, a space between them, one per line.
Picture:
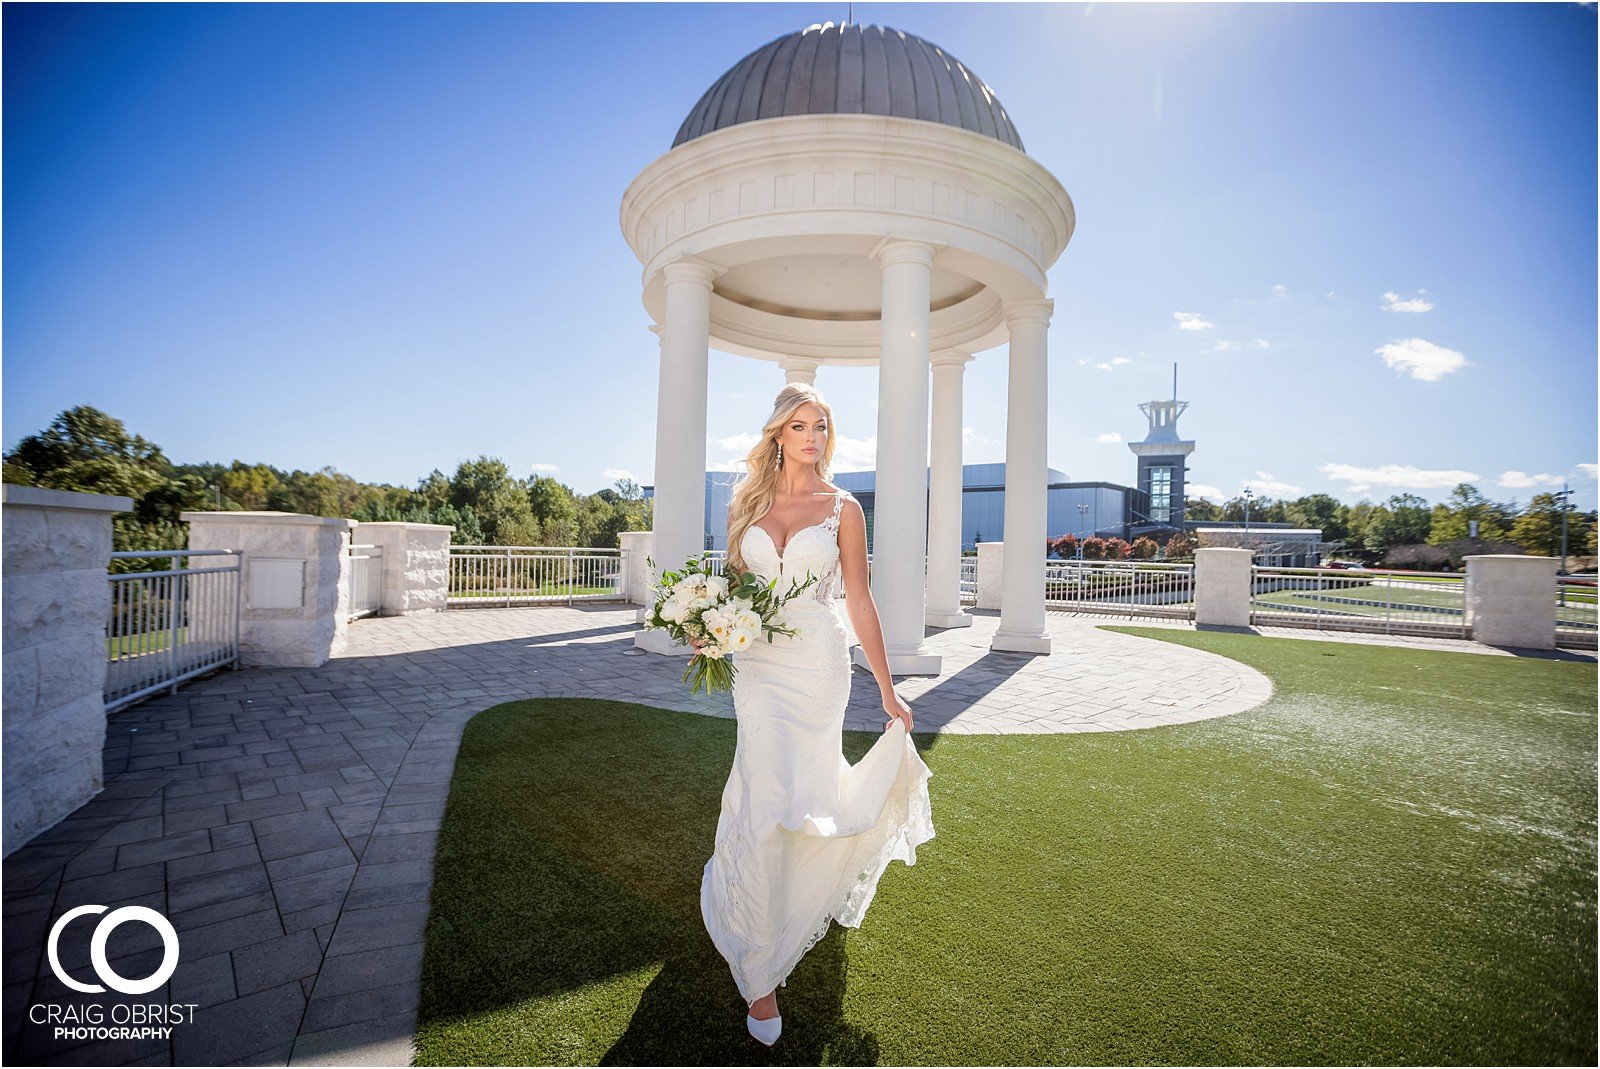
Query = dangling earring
x=779 y=464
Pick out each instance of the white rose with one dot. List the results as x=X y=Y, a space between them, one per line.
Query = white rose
x=672 y=609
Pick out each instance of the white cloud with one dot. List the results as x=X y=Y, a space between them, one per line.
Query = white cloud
x=546 y=469
x=1280 y=292
x=1590 y=471
x=1082 y=360
x=1521 y=480
x=1399 y=475
x=1191 y=321
x=1393 y=302
x=1109 y=436
x=1420 y=359
x=1262 y=343
x=1114 y=362
x=1265 y=483
x=611 y=475
x=976 y=448
x=1223 y=347
x=1210 y=493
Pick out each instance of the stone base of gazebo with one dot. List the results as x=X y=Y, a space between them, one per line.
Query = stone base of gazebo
x=948 y=619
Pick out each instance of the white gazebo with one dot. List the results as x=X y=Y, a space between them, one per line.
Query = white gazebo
x=853 y=195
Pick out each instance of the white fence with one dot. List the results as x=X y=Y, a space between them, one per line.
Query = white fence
x=166 y=626
x=1121 y=588
x=1388 y=602
x=504 y=576
x=1575 y=612
x=365 y=576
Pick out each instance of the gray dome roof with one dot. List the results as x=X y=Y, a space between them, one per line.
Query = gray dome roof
x=872 y=70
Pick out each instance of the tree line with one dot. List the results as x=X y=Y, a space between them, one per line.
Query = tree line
x=88 y=450
x=85 y=449
x=1406 y=531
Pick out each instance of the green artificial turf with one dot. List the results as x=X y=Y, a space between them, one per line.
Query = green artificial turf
x=1391 y=861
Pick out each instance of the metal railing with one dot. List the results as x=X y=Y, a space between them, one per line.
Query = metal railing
x=1575 y=612
x=496 y=576
x=969 y=580
x=1122 y=588
x=366 y=580
x=1396 y=602
x=166 y=626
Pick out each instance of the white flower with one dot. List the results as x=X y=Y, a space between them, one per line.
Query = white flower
x=672 y=609
x=717 y=624
x=717 y=587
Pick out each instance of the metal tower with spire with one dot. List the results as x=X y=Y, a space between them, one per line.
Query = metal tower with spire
x=1161 y=458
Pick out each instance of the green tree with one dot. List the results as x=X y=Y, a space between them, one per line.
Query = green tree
x=1538 y=529
x=1401 y=520
x=1323 y=512
x=1451 y=520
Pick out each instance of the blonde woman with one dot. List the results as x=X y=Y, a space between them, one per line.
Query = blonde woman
x=803 y=835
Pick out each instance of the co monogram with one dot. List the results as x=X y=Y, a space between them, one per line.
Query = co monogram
x=97 y=949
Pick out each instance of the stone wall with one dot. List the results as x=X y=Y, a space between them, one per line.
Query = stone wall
x=416 y=564
x=295 y=608
x=57 y=548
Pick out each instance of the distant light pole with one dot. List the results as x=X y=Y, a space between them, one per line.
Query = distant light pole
x=213 y=488
x=1248 y=495
x=1565 y=493
x=1083 y=519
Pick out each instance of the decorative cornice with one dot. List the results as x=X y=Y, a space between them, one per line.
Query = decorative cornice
x=691 y=269
x=1028 y=311
x=949 y=358
x=897 y=250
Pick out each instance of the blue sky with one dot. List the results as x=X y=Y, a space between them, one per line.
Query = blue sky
x=318 y=234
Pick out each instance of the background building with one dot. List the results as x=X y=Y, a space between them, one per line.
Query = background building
x=1153 y=508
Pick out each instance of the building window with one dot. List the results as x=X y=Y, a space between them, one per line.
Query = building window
x=1161 y=494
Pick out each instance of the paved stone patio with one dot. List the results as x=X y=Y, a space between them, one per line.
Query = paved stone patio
x=284 y=819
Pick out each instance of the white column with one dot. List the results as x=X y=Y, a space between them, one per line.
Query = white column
x=680 y=487
x=900 y=516
x=944 y=494
x=1022 y=623
x=800 y=369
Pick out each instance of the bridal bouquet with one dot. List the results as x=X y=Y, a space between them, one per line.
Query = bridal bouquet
x=727 y=611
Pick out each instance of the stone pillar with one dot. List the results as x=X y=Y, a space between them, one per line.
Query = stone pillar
x=800 y=369
x=1022 y=620
x=1222 y=580
x=900 y=514
x=944 y=493
x=1511 y=600
x=680 y=497
x=57 y=548
x=991 y=573
x=295 y=608
x=635 y=572
x=416 y=565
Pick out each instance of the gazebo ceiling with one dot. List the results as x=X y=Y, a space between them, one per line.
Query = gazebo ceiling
x=869 y=70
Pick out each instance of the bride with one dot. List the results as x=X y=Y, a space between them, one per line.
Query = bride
x=803 y=835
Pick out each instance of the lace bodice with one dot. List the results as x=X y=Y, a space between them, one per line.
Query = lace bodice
x=813 y=549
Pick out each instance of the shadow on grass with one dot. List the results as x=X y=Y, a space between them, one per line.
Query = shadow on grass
x=554 y=877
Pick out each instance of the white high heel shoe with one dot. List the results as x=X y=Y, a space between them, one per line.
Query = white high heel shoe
x=766 y=1031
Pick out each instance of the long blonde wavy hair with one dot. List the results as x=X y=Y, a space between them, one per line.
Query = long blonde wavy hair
x=754 y=494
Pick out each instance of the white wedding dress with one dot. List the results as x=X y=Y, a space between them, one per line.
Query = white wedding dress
x=803 y=835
